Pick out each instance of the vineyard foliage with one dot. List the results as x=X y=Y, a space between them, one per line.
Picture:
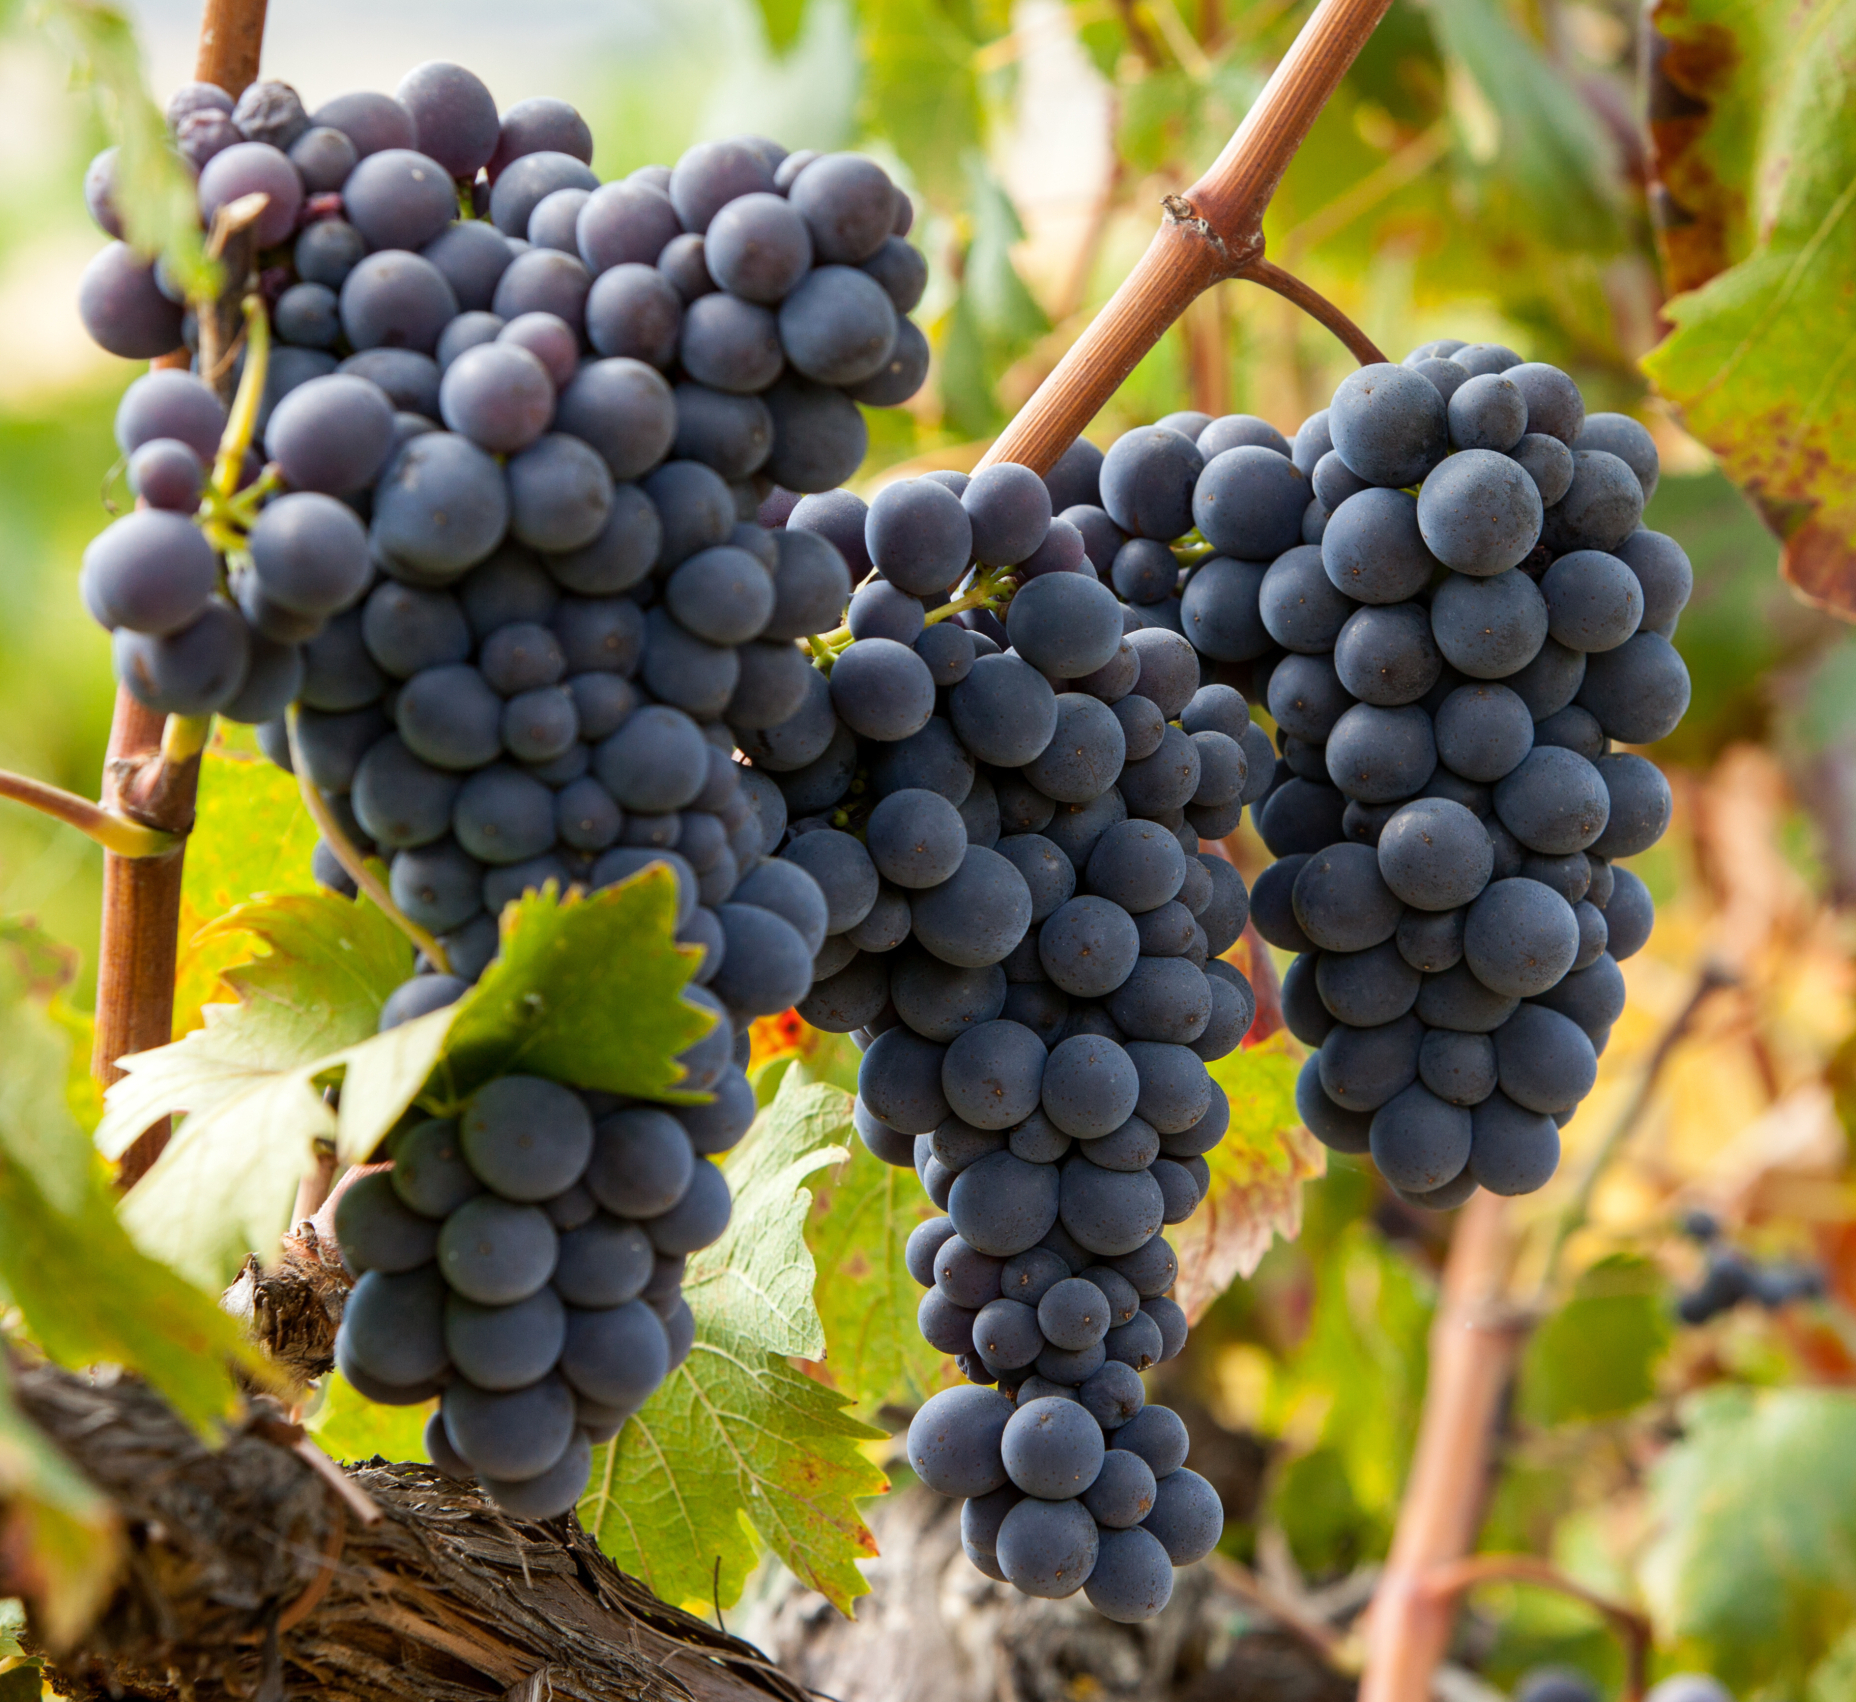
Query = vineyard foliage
x=1478 y=174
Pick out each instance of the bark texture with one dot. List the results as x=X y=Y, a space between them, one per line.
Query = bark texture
x=934 y=1629
x=249 y=1577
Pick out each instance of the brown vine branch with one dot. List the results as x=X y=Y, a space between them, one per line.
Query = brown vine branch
x=1474 y=1338
x=1633 y=1629
x=120 y=834
x=152 y=771
x=1212 y=232
x=1317 y=306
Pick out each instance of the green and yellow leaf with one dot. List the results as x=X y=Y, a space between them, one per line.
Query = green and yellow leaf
x=738 y=1444
x=1257 y=1174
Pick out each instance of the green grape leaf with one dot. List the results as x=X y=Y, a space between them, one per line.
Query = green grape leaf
x=12 y=1622
x=737 y=1439
x=348 y=1426
x=586 y=990
x=250 y=1081
x=1757 y=363
x=83 y=1291
x=755 y=1284
x=1257 y=1174
x=251 y=836
x=861 y=1219
x=1752 y=1572
x=1596 y=1356
x=59 y=1533
x=155 y=193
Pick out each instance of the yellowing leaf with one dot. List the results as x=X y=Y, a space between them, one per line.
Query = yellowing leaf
x=867 y=1301
x=348 y=1426
x=1758 y=360
x=1257 y=1174
x=737 y=1434
x=251 y=836
x=755 y=1283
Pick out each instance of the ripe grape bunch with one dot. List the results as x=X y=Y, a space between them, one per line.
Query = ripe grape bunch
x=1022 y=933
x=480 y=556
x=1444 y=594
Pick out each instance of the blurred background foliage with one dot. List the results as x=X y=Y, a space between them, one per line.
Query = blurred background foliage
x=1481 y=174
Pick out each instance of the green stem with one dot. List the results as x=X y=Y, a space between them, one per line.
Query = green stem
x=243 y=422
x=990 y=592
x=350 y=858
x=113 y=832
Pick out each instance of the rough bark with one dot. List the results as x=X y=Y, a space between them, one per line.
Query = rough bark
x=249 y=1577
x=934 y=1629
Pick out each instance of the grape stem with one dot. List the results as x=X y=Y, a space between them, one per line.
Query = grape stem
x=1317 y=306
x=351 y=859
x=120 y=834
x=1211 y=233
x=1445 y=1583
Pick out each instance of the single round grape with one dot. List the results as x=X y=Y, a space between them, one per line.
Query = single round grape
x=1435 y=855
x=1487 y=411
x=1601 y=508
x=1483 y=731
x=1047 y=1548
x=1362 y=1068
x=1519 y=938
x=1137 y=1343
x=1489 y=628
x=1419 y=1141
x=977 y=915
x=1388 y=424
x=1479 y=512
x=393 y=1326
x=1188 y=1517
x=848 y=204
x=1640 y=805
x=916 y=840
x=1386 y=655
x=1544 y=1060
x=194 y=671
x=954 y=1441
x=1220 y=608
x=1594 y=601
x=1365 y=989
x=1052 y=1448
x=496 y=1252
x=1548 y=462
x=123 y=309
x=1147 y=480
x=1553 y=802
x=1248 y=502
x=1175 y=1090
x=1379 y=755
x=1513 y=1151
x=1065 y=624
x=1132 y=1579
x=1003 y=1206
x=1341 y=901
x=1549 y=682
x=505 y=1347
x=151 y=571
x=1156 y=1435
x=1639 y=692
x=992 y=1073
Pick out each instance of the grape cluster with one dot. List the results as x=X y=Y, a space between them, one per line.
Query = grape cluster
x=494 y=580
x=525 y=1261
x=600 y=380
x=1731 y=1276
x=1443 y=593
x=1023 y=935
